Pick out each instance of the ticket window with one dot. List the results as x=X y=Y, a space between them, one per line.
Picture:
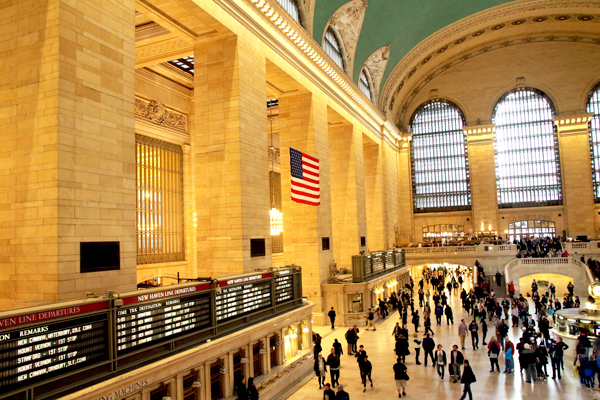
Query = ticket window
x=273 y=351
x=159 y=393
x=256 y=360
x=216 y=381
x=189 y=391
x=355 y=303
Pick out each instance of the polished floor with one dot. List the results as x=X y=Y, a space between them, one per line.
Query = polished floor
x=424 y=382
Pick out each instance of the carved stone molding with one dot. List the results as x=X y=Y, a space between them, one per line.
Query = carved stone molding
x=480 y=134
x=348 y=21
x=376 y=64
x=274 y=155
x=157 y=113
x=570 y=125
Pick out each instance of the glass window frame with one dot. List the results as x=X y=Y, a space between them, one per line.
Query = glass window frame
x=593 y=106
x=365 y=85
x=440 y=151
x=334 y=48
x=529 y=185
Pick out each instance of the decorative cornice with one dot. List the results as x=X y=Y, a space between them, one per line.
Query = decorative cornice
x=156 y=112
x=571 y=125
x=480 y=134
x=306 y=45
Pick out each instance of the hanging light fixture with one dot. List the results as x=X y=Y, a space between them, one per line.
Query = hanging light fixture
x=276 y=216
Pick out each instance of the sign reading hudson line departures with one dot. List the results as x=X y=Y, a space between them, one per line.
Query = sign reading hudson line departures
x=42 y=345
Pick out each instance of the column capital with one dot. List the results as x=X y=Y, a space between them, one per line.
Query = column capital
x=404 y=140
x=574 y=124
x=480 y=134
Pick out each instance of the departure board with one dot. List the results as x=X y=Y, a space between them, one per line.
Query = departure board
x=152 y=322
x=236 y=301
x=284 y=287
x=42 y=351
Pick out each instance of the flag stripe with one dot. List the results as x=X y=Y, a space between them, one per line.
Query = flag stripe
x=304 y=178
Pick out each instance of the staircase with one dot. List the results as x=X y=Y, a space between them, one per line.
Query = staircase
x=499 y=290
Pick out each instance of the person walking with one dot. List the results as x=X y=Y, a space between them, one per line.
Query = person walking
x=474 y=328
x=415 y=320
x=440 y=361
x=463 y=331
x=509 y=356
x=333 y=361
x=337 y=346
x=401 y=348
x=428 y=347
x=439 y=311
x=370 y=319
x=242 y=390
x=449 y=315
x=351 y=339
x=252 y=390
x=320 y=369
x=493 y=353
x=468 y=378
x=365 y=372
x=456 y=360
x=396 y=331
x=328 y=394
x=417 y=348
x=528 y=359
x=484 y=330
x=427 y=325
x=401 y=377
x=331 y=315
x=342 y=394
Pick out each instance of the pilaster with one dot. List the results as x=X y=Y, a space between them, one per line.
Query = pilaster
x=373 y=156
x=482 y=170
x=232 y=167
x=578 y=195
x=347 y=192
x=303 y=126
x=405 y=200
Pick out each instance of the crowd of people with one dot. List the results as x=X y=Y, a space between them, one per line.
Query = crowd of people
x=488 y=323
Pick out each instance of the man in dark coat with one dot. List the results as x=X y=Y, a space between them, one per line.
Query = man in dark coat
x=456 y=360
x=331 y=315
x=467 y=379
x=428 y=347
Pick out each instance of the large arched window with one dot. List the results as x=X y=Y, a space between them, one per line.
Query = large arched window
x=333 y=48
x=526 y=146
x=440 y=165
x=593 y=106
x=291 y=6
x=363 y=84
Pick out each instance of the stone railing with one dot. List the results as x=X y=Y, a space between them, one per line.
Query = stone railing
x=581 y=248
x=554 y=261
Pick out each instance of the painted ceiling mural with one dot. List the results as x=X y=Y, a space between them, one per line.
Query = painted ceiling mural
x=401 y=24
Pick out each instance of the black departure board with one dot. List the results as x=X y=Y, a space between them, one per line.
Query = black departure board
x=152 y=322
x=284 y=287
x=235 y=301
x=42 y=351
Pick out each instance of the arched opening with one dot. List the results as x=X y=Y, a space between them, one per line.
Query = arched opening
x=543 y=281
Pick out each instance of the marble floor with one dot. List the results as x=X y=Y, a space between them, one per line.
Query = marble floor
x=424 y=382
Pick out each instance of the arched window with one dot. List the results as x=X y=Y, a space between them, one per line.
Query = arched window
x=593 y=106
x=440 y=165
x=363 y=84
x=526 y=148
x=291 y=6
x=531 y=229
x=333 y=48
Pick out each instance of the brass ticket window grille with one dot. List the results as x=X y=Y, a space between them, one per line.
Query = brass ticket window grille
x=593 y=106
x=439 y=159
x=159 y=206
x=526 y=150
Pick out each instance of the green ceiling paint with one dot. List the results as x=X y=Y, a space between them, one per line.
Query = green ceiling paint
x=401 y=23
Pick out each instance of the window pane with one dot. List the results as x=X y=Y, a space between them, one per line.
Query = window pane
x=333 y=49
x=440 y=165
x=159 y=201
x=535 y=229
x=593 y=106
x=526 y=149
x=363 y=84
x=292 y=8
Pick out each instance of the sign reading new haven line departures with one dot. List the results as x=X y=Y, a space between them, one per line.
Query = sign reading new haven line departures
x=56 y=344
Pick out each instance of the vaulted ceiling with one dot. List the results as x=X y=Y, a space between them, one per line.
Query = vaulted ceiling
x=402 y=24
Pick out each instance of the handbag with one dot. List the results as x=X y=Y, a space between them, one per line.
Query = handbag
x=575 y=371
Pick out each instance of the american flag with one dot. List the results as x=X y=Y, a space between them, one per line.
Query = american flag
x=305 y=178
